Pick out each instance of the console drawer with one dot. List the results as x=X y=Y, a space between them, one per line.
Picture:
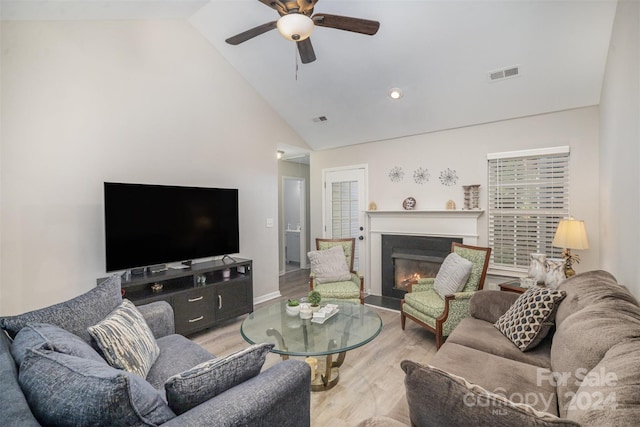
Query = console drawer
x=194 y=309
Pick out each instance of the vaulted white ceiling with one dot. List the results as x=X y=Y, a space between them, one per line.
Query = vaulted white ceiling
x=439 y=53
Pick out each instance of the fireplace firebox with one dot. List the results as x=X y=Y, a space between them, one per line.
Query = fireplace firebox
x=407 y=258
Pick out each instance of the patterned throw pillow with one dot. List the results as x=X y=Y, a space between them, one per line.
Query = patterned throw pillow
x=453 y=275
x=329 y=265
x=209 y=379
x=126 y=341
x=529 y=319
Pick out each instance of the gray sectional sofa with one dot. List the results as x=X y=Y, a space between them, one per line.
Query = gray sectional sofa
x=279 y=395
x=585 y=373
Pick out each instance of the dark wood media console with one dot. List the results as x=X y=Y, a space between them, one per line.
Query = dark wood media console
x=201 y=295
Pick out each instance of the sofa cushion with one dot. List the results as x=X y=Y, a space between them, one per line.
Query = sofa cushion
x=489 y=305
x=329 y=265
x=125 y=340
x=201 y=383
x=588 y=288
x=68 y=390
x=35 y=335
x=340 y=290
x=610 y=393
x=516 y=380
x=483 y=336
x=177 y=354
x=426 y=302
x=438 y=398
x=583 y=339
x=452 y=275
x=74 y=315
x=14 y=410
x=530 y=318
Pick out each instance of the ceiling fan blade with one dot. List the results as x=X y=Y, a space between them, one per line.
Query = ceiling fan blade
x=356 y=25
x=253 y=32
x=305 y=48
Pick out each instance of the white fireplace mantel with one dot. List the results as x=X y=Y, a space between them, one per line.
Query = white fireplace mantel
x=442 y=223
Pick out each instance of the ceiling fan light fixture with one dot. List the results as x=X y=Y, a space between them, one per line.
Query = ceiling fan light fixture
x=295 y=26
x=395 y=93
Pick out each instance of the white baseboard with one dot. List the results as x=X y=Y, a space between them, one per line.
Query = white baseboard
x=266 y=297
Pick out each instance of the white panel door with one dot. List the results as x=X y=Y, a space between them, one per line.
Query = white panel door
x=344 y=209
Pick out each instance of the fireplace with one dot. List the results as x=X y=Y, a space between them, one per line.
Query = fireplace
x=406 y=258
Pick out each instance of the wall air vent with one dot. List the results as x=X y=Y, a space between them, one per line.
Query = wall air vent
x=504 y=73
x=320 y=119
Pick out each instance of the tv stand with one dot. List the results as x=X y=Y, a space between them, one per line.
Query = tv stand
x=201 y=295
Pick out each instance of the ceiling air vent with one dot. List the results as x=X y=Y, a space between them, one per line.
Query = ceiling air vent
x=320 y=119
x=504 y=73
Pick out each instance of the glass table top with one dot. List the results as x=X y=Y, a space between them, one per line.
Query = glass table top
x=353 y=326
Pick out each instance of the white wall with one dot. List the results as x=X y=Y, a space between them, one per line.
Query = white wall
x=128 y=101
x=620 y=149
x=465 y=151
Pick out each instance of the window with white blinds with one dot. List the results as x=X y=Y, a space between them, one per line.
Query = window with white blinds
x=344 y=209
x=528 y=195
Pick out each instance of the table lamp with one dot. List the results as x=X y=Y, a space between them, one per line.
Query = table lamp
x=570 y=234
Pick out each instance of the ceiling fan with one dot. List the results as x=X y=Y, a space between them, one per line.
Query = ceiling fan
x=297 y=22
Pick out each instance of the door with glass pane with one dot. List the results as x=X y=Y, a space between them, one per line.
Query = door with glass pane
x=344 y=205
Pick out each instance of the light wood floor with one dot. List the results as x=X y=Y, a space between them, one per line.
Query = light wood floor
x=371 y=381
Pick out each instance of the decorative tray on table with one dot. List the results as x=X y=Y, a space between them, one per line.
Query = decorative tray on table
x=325 y=313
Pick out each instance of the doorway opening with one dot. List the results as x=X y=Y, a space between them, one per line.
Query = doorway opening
x=294 y=227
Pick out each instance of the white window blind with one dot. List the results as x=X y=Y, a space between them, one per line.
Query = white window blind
x=344 y=218
x=528 y=195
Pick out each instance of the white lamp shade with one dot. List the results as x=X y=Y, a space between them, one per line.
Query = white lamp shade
x=295 y=26
x=571 y=234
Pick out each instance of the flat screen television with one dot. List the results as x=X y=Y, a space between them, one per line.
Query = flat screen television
x=156 y=224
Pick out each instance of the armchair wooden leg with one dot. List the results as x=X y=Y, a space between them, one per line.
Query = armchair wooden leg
x=438 y=332
x=403 y=318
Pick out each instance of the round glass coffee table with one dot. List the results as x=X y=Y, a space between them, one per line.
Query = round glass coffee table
x=352 y=326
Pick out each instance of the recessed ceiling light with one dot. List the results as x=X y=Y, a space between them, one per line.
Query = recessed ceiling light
x=395 y=93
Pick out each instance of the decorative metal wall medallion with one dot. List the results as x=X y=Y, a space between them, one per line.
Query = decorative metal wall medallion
x=409 y=204
x=421 y=175
x=396 y=174
x=448 y=177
